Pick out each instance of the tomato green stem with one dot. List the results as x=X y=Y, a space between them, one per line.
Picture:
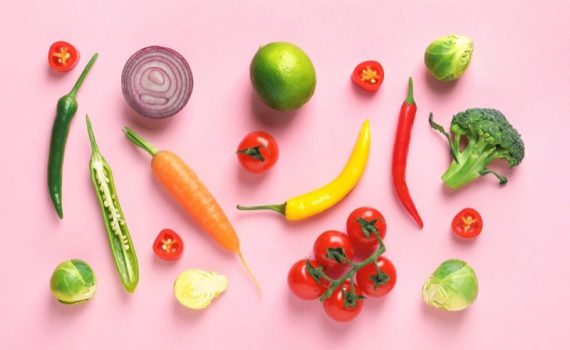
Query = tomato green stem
x=252 y=152
x=335 y=283
x=280 y=208
x=81 y=78
x=139 y=141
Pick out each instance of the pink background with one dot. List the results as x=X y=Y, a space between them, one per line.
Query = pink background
x=521 y=66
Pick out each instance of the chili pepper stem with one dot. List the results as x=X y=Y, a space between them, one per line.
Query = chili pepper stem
x=94 y=147
x=81 y=78
x=280 y=208
x=410 y=97
x=251 y=275
x=139 y=141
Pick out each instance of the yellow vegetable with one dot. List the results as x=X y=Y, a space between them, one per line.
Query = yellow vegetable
x=319 y=200
x=196 y=289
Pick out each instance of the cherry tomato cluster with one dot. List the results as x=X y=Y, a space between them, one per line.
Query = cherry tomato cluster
x=334 y=255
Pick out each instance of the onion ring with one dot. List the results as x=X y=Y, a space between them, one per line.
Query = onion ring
x=157 y=82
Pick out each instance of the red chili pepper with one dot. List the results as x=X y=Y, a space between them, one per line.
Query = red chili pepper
x=400 y=156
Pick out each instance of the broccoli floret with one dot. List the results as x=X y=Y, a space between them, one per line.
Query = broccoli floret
x=489 y=136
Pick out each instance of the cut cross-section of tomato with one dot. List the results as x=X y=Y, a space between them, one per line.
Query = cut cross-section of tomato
x=467 y=223
x=62 y=56
x=168 y=245
x=368 y=76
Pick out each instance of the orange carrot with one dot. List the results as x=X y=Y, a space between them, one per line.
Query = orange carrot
x=189 y=191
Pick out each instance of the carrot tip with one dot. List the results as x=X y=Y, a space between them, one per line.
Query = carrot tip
x=251 y=275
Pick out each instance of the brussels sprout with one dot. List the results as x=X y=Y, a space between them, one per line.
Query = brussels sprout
x=73 y=281
x=448 y=57
x=452 y=286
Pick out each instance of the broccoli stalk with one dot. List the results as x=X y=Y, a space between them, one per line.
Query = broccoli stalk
x=470 y=164
x=489 y=136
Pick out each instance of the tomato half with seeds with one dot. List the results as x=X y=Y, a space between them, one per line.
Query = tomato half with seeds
x=344 y=305
x=168 y=245
x=377 y=279
x=258 y=151
x=467 y=223
x=333 y=250
x=62 y=56
x=368 y=76
x=362 y=226
x=302 y=283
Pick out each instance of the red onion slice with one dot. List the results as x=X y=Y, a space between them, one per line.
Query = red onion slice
x=157 y=82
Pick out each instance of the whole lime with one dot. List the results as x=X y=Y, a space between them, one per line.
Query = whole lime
x=283 y=76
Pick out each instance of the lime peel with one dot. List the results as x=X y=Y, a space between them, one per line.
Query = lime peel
x=195 y=289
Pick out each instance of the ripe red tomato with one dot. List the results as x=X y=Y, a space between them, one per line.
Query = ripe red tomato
x=333 y=249
x=362 y=223
x=62 y=56
x=377 y=279
x=258 y=152
x=368 y=76
x=342 y=306
x=467 y=223
x=302 y=283
x=168 y=245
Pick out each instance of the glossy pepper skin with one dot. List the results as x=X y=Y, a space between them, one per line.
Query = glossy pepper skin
x=319 y=200
x=66 y=108
x=400 y=155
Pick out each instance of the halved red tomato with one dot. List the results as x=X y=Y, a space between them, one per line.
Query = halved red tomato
x=62 y=56
x=368 y=75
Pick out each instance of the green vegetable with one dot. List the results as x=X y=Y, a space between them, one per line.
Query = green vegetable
x=73 y=281
x=448 y=57
x=66 y=108
x=452 y=286
x=117 y=230
x=490 y=136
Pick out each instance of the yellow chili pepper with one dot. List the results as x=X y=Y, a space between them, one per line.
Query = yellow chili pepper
x=319 y=200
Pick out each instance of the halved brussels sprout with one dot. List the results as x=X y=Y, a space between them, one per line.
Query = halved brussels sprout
x=196 y=288
x=448 y=57
x=452 y=286
x=73 y=281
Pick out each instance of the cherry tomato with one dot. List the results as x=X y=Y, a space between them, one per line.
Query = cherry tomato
x=343 y=306
x=333 y=249
x=62 y=56
x=362 y=224
x=258 y=152
x=377 y=279
x=368 y=76
x=467 y=223
x=168 y=245
x=302 y=283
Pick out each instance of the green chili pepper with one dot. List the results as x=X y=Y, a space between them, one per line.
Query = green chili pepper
x=66 y=108
x=117 y=230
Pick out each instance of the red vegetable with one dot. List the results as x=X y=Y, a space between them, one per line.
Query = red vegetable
x=62 y=56
x=378 y=279
x=368 y=76
x=168 y=245
x=157 y=82
x=258 y=151
x=362 y=226
x=333 y=249
x=342 y=305
x=400 y=155
x=467 y=223
x=302 y=283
